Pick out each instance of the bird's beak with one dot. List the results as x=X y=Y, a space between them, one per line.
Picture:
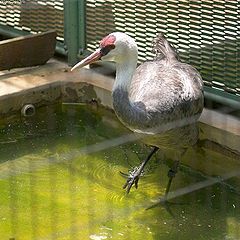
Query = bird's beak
x=88 y=60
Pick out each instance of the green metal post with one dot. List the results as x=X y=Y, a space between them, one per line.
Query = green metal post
x=82 y=26
x=71 y=29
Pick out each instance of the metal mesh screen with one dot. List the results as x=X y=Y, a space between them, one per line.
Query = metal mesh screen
x=206 y=32
x=33 y=16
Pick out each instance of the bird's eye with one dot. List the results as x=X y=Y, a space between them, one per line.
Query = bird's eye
x=105 y=50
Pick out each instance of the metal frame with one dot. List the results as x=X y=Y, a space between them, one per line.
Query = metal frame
x=74 y=29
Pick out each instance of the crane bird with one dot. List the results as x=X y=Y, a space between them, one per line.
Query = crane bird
x=160 y=99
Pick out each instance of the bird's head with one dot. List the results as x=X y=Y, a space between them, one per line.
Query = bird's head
x=114 y=47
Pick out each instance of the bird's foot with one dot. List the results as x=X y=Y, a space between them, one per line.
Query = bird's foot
x=132 y=178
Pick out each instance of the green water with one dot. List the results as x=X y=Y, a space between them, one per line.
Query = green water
x=51 y=189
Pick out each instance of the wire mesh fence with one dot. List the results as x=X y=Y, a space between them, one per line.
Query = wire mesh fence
x=33 y=16
x=206 y=33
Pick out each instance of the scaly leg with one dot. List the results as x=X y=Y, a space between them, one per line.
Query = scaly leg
x=173 y=171
x=134 y=176
x=164 y=201
x=171 y=174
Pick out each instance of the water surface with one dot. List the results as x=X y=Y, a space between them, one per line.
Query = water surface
x=53 y=187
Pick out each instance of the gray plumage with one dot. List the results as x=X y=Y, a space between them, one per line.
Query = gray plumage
x=162 y=91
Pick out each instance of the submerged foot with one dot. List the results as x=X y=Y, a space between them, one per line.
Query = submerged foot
x=132 y=178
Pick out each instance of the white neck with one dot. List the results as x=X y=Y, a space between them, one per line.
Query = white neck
x=125 y=70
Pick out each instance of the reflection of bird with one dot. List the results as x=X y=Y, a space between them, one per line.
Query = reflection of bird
x=161 y=100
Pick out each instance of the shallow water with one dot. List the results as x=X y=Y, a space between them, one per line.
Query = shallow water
x=54 y=187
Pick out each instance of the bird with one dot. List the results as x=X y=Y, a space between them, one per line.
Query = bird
x=160 y=100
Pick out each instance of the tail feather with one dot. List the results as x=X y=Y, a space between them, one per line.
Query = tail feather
x=163 y=49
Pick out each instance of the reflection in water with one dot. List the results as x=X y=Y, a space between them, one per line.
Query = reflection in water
x=55 y=186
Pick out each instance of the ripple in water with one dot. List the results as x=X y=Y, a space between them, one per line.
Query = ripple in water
x=103 y=174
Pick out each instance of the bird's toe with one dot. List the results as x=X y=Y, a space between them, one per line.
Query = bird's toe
x=129 y=183
x=132 y=178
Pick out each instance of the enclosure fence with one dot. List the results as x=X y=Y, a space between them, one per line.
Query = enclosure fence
x=206 y=32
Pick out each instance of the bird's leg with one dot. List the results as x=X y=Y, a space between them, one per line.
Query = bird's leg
x=164 y=201
x=173 y=171
x=171 y=174
x=134 y=176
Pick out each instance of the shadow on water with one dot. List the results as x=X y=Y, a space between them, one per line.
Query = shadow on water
x=54 y=187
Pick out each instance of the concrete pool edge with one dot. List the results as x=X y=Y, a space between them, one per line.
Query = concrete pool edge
x=53 y=82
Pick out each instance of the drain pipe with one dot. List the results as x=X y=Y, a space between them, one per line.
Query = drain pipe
x=28 y=110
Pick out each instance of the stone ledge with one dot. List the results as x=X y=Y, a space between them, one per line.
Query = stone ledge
x=53 y=82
